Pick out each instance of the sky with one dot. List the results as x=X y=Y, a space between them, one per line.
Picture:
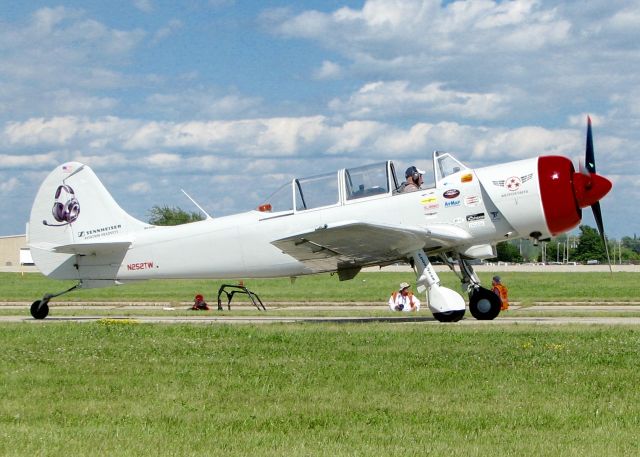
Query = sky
x=229 y=100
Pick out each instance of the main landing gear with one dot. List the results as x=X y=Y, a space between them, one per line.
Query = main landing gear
x=40 y=308
x=484 y=305
x=447 y=305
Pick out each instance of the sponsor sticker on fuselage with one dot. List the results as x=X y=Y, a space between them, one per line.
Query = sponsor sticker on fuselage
x=451 y=193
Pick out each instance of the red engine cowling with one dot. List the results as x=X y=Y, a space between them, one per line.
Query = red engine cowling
x=564 y=192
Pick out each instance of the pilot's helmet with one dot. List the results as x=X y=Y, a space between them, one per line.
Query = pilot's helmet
x=199 y=298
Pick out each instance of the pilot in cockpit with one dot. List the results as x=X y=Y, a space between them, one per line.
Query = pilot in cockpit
x=414 y=180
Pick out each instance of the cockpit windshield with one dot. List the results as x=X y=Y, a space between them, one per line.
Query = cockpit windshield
x=280 y=200
x=317 y=191
x=366 y=180
x=445 y=165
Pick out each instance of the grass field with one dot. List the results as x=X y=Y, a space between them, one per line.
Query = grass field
x=366 y=287
x=118 y=388
x=115 y=387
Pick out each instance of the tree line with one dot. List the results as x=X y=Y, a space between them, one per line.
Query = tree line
x=586 y=247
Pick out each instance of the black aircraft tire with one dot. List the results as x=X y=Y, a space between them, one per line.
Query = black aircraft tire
x=39 y=309
x=449 y=316
x=484 y=304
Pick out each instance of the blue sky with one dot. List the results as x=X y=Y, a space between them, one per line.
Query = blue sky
x=230 y=99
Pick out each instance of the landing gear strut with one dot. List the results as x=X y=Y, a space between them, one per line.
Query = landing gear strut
x=40 y=308
x=445 y=304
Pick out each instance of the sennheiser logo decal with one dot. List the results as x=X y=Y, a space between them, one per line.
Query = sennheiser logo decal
x=99 y=232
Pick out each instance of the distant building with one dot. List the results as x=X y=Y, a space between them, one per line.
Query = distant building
x=14 y=252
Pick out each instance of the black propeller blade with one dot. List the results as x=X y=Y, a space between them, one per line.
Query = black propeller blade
x=589 y=159
x=590 y=165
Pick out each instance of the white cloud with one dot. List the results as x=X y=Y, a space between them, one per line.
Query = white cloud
x=201 y=103
x=140 y=187
x=328 y=70
x=28 y=160
x=143 y=5
x=116 y=139
x=9 y=185
x=56 y=131
x=528 y=141
x=419 y=26
x=163 y=160
x=396 y=98
x=355 y=135
x=626 y=20
x=172 y=27
x=67 y=131
x=52 y=60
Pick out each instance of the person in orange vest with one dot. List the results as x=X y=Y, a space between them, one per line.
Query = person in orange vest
x=501 y=291
x=199 y=303
x=403 y=300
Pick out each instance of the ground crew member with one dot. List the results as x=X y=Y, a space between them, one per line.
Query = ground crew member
x=501 y=291
x=199 y=303
x=403 y=300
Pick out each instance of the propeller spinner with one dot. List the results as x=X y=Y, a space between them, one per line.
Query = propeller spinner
x=565 y=191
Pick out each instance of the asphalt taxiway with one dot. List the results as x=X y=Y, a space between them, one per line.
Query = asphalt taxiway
x=515 y=315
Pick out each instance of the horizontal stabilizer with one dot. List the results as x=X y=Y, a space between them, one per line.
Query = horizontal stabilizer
x=84 y=248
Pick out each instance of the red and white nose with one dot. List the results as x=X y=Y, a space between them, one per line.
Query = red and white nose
x=564 y=192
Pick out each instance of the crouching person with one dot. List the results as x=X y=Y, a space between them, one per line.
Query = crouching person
x=199 y=303
x=403 y=299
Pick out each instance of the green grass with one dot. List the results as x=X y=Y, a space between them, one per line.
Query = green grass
x=366 y=287
x=118 y=388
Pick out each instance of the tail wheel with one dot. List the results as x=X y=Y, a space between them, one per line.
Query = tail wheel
x=40 y=309
x=449 y=316
x=484 y=304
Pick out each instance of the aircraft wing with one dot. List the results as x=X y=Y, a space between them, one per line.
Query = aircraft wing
x=358 y=243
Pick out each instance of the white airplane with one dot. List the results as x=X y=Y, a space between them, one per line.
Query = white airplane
x=335 y=222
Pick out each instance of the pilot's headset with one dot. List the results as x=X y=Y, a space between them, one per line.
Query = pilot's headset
x=68 y=211
x=414 y=173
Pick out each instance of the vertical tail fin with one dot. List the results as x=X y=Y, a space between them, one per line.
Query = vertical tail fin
x=73 y=208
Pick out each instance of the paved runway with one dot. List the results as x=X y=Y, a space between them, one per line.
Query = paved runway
x=512 y=317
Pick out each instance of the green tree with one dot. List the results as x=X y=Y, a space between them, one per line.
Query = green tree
x=631 y=243
x=507 y=252
x=590 y=246
x=167 y=215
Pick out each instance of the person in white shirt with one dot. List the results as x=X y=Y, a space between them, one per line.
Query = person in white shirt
x=403 y=299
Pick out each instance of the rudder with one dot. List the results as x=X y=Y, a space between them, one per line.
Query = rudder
x=72 y=207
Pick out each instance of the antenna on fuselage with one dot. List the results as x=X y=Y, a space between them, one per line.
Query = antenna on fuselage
x=194 y=202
